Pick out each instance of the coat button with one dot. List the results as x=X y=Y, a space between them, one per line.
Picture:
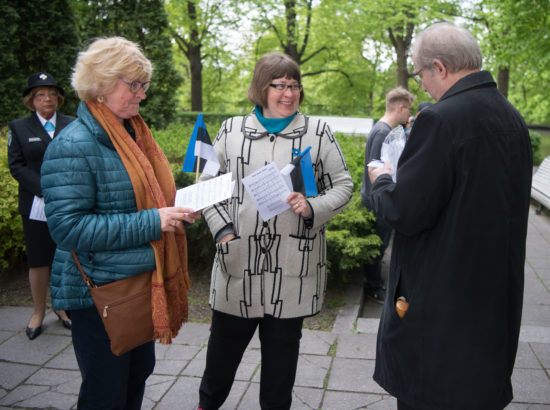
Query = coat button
x=265 y=224
x=272 y=138
x=263 y=250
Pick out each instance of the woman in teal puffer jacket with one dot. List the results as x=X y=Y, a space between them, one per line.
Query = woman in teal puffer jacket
x=108 y=190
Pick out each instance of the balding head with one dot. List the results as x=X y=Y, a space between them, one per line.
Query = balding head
x=454 y=46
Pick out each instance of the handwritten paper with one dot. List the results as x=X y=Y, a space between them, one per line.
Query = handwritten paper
x=204 y=194
x=37 y=209
x=268 y=191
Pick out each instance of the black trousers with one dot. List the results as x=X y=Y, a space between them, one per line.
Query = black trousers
x=229 y=337
x=373 y=271
x=108 y=381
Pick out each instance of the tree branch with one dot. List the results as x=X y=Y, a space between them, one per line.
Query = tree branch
x=182 y=44
x=305 y=60
x=306 y=35
x=329 y=71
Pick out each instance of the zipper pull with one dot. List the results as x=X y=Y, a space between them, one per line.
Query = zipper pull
x=105 y=310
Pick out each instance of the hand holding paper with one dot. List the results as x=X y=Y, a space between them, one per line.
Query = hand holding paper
x=204 y=194
x=268 y=191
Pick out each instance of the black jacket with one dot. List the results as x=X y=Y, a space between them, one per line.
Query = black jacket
x=26 y=146
x=459 y=209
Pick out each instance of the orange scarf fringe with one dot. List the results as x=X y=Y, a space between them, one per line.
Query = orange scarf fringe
x=154 y=187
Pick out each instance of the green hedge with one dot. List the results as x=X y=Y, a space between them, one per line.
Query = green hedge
x=535 y=144
x=351 y=241
x=350 y=238
x=12 y=247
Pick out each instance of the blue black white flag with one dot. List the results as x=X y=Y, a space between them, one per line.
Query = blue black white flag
x=200 y=151
x=298 y=174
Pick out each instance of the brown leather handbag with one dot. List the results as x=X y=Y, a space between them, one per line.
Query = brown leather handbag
x=125 y=309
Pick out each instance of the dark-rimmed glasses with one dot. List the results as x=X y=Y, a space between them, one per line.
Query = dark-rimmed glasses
x=295 y=88
x=416 y=76
x=136 y=85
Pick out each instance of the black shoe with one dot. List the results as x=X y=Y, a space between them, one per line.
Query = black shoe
x=66 y=323
x=376 y=296
x=33 y=332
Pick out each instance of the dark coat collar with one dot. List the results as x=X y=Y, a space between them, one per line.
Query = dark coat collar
x=474 y=80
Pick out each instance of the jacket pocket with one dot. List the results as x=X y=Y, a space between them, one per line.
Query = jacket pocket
x=229 y=258
x=300 y=255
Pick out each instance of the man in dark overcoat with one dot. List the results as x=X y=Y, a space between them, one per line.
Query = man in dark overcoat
x=459 y=209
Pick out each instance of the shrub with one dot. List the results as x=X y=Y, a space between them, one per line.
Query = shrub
x=12 y=246
x=350 y=238
x=535 y=145
x=351 y=241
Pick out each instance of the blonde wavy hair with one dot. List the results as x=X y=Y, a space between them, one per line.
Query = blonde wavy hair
x=103 y=62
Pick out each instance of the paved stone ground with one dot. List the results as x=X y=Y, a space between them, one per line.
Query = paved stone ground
x=334 y=371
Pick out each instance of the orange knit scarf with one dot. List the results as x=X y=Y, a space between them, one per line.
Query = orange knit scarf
x=154 y=187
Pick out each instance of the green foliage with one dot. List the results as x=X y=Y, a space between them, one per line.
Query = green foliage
x=514 y=36
x=351 y=241
x=544 y=149
x=146 y=23
x=12 y=246
x=37 y=36
x=209 y=117
x=350 y=238
x=535 y=145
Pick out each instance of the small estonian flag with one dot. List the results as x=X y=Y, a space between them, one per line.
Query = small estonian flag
x=298 y=174
x=201 y=146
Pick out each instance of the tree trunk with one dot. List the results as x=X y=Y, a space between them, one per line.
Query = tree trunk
x=402 y=71
x=196 y=77
x=503 y=79
x=401 y=44
x=195 y=60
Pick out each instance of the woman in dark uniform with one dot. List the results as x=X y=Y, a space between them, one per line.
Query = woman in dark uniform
x=28 y=140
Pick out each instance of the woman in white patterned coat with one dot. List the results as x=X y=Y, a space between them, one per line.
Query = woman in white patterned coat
x=269 y=275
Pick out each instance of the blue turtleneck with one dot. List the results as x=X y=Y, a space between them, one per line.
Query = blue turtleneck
x=273 y=125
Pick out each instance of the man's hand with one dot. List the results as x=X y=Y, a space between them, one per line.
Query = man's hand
x=375 y=172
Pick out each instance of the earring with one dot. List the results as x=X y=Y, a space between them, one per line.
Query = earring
x=100 y=99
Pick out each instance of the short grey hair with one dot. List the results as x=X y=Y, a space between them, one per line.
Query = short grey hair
x=106 y=60
x=454 y=46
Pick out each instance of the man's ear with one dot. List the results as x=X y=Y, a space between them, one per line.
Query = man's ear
x=439 y=68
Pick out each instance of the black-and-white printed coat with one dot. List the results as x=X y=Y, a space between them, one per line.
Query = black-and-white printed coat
x=276 y=267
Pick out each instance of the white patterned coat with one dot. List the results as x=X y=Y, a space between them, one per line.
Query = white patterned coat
x=276 y=267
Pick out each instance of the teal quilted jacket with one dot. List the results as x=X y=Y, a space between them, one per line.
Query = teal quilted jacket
x=91 y=208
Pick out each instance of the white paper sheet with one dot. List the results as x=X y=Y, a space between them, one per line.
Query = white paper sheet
x=204 y=194
x=37 y=209
x=268 y=191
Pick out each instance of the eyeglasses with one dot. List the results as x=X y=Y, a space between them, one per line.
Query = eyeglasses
x=295 y=88
x=43 y=96
x=136 y=85
x=416 y=76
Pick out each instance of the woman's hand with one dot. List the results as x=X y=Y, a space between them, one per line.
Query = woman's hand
x=227 y=238
x=171 y=218
x=299 y=204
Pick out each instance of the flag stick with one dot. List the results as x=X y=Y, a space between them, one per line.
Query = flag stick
x=198 y=164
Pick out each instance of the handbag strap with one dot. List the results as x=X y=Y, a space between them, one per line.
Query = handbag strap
x=86 y=278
